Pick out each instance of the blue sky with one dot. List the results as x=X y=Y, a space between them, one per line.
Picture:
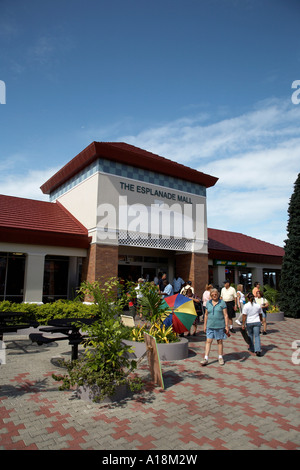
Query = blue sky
x=207 y=83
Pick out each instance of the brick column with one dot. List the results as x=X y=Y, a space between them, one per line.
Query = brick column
x=193 y=267
x=101 y=262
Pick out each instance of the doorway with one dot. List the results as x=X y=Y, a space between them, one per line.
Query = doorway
x=129 y=272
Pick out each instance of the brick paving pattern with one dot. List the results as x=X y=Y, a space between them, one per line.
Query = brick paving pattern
x=249 y=403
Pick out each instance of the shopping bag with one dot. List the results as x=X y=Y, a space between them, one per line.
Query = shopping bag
x=245 y=336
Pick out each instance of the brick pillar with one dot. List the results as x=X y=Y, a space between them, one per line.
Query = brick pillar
x=101 y=262
x=193 y=267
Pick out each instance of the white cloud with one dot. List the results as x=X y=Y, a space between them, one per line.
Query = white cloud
x=255 y=156
x=189 y=138
x=27 y=185
x=269 y=168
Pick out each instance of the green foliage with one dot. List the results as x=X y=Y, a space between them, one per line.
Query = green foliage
x=273 y=309
x=137 y=333
x=272 y=295
x=290 y=274
x=151 y=303
x=160 y=333
x=59 y=309
x=105 y=362
x=163 y=334
x=153 y=308
x=107 y=295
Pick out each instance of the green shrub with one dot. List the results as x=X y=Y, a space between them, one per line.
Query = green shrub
x=105 y=362
x=59 y=309
x=272 y=296
x=161 y=333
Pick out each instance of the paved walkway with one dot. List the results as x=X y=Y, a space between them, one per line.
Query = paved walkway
x=249 y=403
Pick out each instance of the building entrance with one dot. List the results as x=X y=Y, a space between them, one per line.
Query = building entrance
x=131 y=268
x=133 y=273
x=229 y=274
x=129 y=273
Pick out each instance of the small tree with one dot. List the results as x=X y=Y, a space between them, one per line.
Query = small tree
x=290 y=274
x=105 y=363
x=152 y=303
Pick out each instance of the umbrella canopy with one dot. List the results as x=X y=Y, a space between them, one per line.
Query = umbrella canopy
x=180 y=312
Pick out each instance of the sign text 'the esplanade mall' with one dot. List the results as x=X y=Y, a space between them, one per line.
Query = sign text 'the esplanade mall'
x=155 y=192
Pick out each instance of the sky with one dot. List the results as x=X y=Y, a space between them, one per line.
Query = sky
x=206 y=83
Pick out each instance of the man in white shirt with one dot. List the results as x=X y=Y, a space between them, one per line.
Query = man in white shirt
x=229 y=295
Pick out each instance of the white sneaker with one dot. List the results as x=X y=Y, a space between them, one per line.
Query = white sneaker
x=204 y=362
x=221 y=361
x=238 y=322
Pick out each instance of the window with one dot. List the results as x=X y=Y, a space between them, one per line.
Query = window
x=12 y=270
x=245 y=278
x=56 y=275
x=272 y=278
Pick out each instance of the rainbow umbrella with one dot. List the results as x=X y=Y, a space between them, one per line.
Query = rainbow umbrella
x=180 y=312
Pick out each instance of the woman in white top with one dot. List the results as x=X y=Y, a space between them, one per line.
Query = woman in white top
x=263 y=303
x=252 y=315
x=240 y=302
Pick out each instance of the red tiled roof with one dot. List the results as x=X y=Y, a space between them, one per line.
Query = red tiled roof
x=237 y=243
x=130 y=155
x=39 y=222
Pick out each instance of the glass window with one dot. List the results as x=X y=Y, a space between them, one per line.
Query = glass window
x=56 y=274
x=3 y=266
x=150 y=259
x=12 y=271
x=272 y=278
x=245 y=278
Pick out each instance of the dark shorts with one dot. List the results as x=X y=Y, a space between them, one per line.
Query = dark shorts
x=230 y=309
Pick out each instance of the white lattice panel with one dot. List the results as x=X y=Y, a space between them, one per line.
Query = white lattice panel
x=148 y=241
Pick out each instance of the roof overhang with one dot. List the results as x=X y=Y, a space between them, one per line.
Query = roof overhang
x=243 y=256
x=40 y=237
x=130 y=155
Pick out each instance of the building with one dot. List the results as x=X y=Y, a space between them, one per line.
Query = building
x=117 y=210
x=242 y=259
x=41 y=248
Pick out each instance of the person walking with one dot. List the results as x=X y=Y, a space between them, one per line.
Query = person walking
x=228 y=294
x=252 y=315
x=215 y=322
x=263 y=303
x=256 y=288
x=240 y=302
x=206 y=294
x=187 y=285
x=161 y=280
x=193 y=329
